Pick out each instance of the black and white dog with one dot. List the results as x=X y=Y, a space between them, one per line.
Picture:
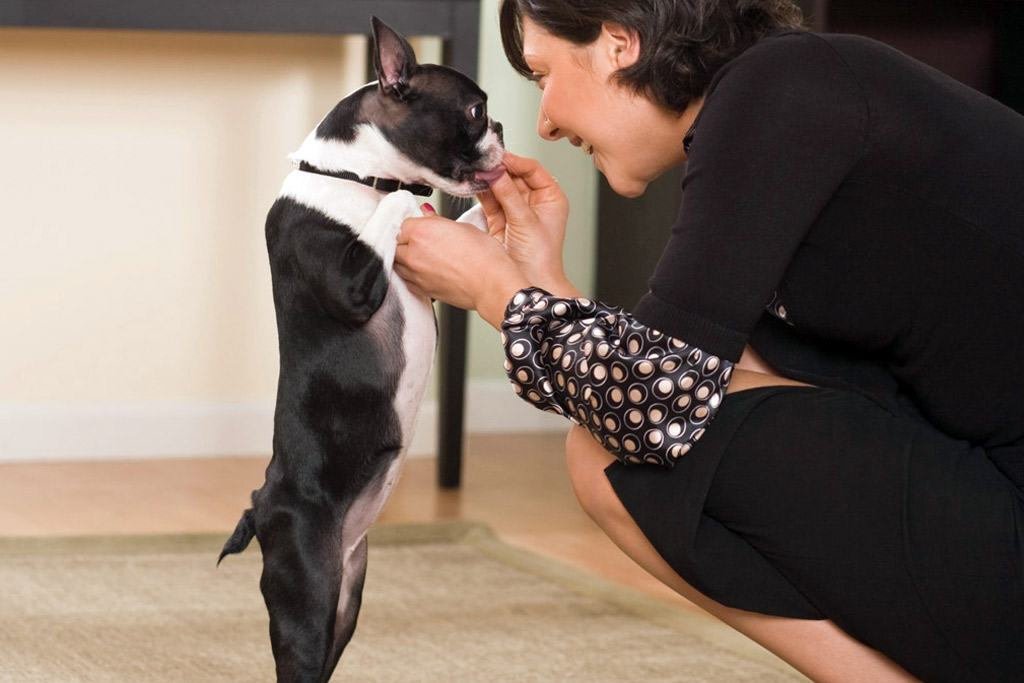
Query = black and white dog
x=356 y=345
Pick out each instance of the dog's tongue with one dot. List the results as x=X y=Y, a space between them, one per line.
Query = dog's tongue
x=491 y=176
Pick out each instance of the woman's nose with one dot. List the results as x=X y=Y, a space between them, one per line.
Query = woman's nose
x=546 y=129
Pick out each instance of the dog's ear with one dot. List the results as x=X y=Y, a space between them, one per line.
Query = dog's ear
x=393 y=59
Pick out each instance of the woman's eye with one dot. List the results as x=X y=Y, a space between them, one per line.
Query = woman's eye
x=476 y=112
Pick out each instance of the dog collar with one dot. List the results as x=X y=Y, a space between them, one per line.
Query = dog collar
x=379 y=184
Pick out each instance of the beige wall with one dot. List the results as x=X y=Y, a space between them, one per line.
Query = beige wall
x=137 y=171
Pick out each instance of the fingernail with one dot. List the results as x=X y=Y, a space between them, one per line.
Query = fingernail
x=427 y=207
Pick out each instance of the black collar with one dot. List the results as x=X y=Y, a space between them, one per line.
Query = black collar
x=379 y=184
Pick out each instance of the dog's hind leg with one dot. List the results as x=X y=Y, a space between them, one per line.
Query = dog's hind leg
x=349 y=600
x=358 y=519
x=301 y=581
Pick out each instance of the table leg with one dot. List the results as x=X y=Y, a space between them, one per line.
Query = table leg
x=452 y=393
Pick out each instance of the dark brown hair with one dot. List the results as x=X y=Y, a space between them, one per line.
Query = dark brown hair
x=683 y=43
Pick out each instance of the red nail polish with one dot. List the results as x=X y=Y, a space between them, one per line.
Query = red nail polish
x=428 y=207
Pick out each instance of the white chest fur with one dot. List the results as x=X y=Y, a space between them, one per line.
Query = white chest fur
x=419 y=337
x=345 y=202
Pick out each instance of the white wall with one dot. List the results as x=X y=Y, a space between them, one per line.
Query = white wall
x=135 y=310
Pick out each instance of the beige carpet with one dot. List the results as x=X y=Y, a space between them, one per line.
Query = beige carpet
x=443 y=602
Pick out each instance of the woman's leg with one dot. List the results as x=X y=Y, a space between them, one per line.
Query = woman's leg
x=817 y=648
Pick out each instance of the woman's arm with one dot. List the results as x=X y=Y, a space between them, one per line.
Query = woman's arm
x=645 y=396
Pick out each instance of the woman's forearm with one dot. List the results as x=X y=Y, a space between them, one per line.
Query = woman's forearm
x=646 y=396
x=496 y=292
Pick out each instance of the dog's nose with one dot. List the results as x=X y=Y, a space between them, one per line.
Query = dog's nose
x=499 y=131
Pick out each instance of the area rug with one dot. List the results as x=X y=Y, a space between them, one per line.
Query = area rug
x=443 y=602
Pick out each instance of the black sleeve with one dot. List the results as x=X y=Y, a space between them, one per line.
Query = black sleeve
x=781 y=127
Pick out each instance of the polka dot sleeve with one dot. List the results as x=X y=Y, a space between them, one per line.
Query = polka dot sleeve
x=645 y=396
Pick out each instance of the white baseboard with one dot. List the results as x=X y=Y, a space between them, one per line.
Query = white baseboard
x=101 y=431
x=104 y=431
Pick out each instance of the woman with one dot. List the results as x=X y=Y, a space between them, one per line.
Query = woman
x=854 y=501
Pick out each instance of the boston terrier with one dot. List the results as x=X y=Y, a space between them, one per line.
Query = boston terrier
x=356 y=344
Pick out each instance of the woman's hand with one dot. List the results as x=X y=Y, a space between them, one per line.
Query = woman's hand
x=527 y=211
x=458 y=264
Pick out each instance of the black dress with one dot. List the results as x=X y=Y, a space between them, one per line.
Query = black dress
x=819 y=503
x=857 y=218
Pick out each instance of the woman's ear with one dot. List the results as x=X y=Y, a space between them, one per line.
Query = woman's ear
x=621 y=44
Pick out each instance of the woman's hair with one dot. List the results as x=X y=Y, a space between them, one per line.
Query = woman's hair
x=683 y=43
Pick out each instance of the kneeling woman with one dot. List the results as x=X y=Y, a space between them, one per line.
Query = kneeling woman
x=857 y=504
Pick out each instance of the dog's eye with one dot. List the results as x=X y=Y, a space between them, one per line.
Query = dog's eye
x=477 y=112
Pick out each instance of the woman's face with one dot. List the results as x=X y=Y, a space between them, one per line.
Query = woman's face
x=631 y=139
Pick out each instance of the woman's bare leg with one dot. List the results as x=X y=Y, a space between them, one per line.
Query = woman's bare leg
x=817 y=648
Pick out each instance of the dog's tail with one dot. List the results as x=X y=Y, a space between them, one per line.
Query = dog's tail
x=241 y=536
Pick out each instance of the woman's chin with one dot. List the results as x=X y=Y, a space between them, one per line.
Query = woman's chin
x=626 y=187
x=621 y=183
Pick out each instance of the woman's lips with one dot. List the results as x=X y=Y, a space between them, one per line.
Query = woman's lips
x=491 y=176
x=587 y=148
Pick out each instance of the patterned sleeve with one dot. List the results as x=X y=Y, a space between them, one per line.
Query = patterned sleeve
x=645 y=396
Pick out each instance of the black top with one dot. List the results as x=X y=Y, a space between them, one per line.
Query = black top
x=881 y=202
x=872 y=203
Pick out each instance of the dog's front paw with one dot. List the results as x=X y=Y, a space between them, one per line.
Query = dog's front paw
x=396 y=207
x=381 y=231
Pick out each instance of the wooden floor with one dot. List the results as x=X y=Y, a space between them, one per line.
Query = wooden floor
x=516 y=484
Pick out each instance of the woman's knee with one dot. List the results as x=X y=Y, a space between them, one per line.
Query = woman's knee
x=586 y=461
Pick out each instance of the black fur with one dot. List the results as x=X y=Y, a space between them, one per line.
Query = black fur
x=335 y=431
x=341 y=122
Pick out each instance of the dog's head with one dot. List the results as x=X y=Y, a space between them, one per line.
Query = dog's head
x=419 y=123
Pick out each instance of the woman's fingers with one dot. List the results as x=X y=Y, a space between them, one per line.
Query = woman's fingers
x=458 y=264
x=531 y=210
x=494 y=214
x=530 y=179
x=531 y=171
x=535 y=184
x=523 y=188
x=506 y=193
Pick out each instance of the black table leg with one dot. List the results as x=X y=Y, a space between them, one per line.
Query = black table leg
x=452 y=394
